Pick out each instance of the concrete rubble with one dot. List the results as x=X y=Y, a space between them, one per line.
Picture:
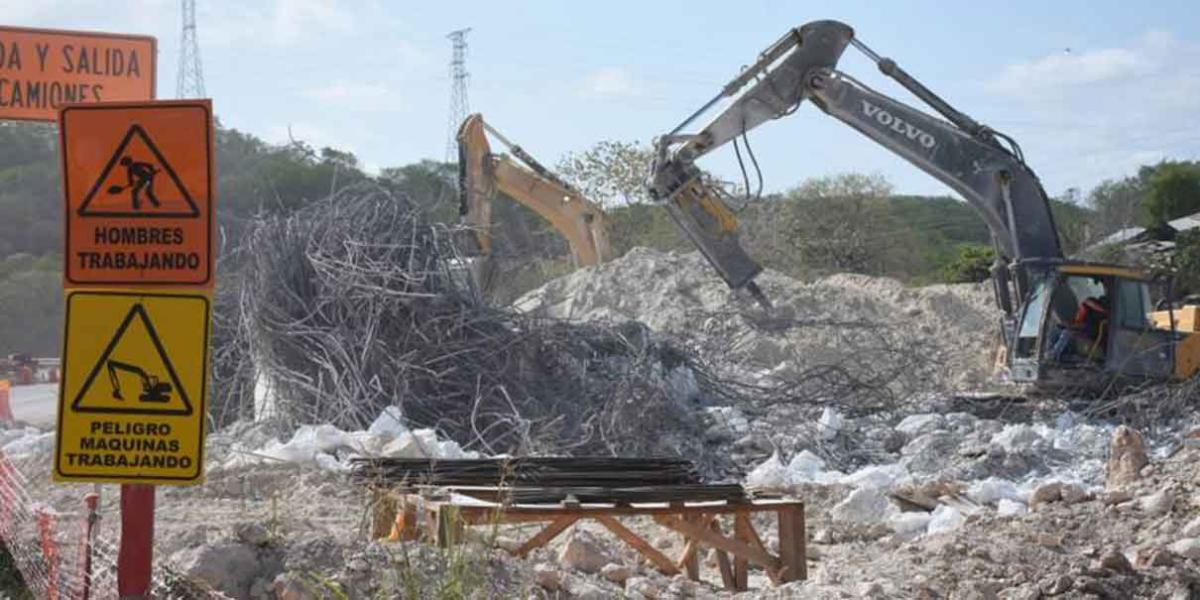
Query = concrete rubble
x=946 y=490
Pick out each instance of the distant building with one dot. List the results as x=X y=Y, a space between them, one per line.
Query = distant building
x=1155 y=239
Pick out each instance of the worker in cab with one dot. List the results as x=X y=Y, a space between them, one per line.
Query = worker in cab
x=1088 y=329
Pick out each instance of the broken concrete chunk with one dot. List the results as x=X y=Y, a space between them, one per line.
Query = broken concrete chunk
x=547 y=576
x=1158 y=503
x=915 y=425
x=1192 y=529
x=1126 y=457
x=616 y=573
x=1116 y=562
x=226 y=566
x=1187 y=548
x=583 y=552
x=945 y=519
x=1045 y=494
x=642 y=587
x=864 y=505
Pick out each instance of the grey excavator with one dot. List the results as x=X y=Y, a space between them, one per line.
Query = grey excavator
x=1044 y=340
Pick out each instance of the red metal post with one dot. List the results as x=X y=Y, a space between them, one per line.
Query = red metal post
x=90 y=502
x=137 y=541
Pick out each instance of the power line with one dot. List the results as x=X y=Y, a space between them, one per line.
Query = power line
x=460 y=105
x=190 y=80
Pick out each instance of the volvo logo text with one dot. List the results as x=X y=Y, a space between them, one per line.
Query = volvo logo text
x=898 y=125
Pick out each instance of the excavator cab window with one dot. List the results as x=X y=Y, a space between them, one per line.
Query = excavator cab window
x=1079 y=320
x=1031 y=320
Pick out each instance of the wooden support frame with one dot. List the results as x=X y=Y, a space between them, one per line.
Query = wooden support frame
x=445 y=518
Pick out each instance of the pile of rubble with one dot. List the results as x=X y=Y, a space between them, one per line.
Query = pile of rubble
x=877 y=324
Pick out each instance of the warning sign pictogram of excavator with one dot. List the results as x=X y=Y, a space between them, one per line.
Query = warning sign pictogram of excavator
x=153 y=374
x=138 y=184
x=132 y=397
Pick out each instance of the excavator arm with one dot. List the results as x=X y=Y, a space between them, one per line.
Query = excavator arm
x=582 y=223
x=958 y=151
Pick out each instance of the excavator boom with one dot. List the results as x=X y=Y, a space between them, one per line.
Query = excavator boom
x=582 y=223
x=958 y=152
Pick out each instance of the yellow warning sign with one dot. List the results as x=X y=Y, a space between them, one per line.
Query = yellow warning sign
x=132 y=397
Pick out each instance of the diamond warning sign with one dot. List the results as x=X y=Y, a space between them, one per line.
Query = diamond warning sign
x=132 y=397
x=138 y=182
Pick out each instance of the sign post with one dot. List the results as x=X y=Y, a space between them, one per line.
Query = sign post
x=138 y=183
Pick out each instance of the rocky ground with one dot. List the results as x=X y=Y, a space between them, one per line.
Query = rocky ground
x=920 y=487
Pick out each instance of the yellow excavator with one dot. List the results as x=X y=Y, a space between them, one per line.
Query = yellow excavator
x=483 y=174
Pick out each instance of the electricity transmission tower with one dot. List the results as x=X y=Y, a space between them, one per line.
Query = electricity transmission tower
x=460 y=105
x=190 y=82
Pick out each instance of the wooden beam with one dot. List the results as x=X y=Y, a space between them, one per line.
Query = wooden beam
x=756 y=555
x=449 y=527
x=524 y=513
x=651 y=553
x=544 y=536
x=690 y=559
x=723 y=561
x=383 y=513
x=791 y=544
x=741 y=567
x=754 y=541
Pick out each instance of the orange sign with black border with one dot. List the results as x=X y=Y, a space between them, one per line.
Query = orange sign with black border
x=138 y=181
x=44 y=69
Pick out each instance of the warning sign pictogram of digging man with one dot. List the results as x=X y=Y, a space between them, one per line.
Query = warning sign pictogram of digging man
x=140 y=178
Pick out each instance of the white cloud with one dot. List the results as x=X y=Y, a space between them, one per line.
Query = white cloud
x=1093 y=114
x=1068 y=69
x=609 y=82
x=282 y=23
x=297 y=19
x=356 y=96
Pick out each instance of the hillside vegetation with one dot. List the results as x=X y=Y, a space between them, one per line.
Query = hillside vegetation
x=848 y=222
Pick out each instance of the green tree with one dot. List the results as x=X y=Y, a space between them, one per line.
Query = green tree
x=1174 y=192
x=1185 y=264
x=974 y=263
x=1073 y=221
x=610 y=173
x=843 y=223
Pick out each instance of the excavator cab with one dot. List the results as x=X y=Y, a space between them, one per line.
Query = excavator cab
x=1082 y=324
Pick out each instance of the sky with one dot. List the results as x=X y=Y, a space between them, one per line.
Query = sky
x=1090 y=89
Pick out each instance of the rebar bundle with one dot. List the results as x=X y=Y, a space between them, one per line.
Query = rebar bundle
x=596 y=472
x=356 y=303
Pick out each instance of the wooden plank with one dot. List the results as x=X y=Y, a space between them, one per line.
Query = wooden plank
x=690 y=560
x=383 y=513
x=651 y=553
x=723 y=561
x=741 y=567
x=529 y=513
x=405 y=526
x=738 y=548
x=544 y=536
x=756 y=542
x=449 y=526
x=791 y=544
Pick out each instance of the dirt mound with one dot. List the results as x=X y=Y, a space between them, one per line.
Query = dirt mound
x=827 y=321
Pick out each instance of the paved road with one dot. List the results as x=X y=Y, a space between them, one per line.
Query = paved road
x=35 y=404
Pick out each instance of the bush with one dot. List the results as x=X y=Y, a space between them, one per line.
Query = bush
x=974 y=264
